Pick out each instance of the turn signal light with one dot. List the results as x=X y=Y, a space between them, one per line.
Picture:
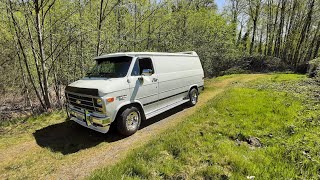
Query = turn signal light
x=110 y=99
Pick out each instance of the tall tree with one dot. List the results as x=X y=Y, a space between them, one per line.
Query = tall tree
x=278 y=41
x=305 y=29
x=254 y=11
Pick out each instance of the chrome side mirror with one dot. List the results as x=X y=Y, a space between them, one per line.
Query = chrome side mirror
x=146 y=72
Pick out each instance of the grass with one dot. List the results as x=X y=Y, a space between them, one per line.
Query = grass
x=47 y=146
x=20 y=129
x=281 y=110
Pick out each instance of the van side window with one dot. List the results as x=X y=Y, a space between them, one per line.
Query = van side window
x=136 y=69
x=145 y=63
x=140 y=64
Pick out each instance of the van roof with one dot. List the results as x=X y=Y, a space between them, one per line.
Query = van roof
x=134 y=54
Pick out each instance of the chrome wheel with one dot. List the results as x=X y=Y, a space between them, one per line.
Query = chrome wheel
x=128 y=122
x=132 y=120
x=194 y=97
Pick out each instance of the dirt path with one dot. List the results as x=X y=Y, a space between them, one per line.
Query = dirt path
x=67 y=151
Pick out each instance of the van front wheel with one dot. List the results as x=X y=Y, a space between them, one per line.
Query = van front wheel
x=193 y=95
x=129 y=121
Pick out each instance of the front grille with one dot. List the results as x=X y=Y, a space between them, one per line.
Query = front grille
x=83 y=102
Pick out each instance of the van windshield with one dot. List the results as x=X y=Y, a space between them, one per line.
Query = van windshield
x=113 y=67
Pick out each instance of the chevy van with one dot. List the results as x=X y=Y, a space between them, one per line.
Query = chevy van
x=126 y=88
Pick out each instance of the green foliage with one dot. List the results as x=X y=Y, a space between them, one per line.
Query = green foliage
x=212 y=143
x=234 y=70
x=257 y=63
x=263 y=64
x=314 y=68
x=74 y=32
x=212 y=39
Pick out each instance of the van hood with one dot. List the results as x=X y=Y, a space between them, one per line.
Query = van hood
x=104 y=85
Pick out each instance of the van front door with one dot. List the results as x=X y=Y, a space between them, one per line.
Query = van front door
x=143 y=83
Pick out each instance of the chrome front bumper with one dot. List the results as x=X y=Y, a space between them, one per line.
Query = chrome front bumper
x=100 y=123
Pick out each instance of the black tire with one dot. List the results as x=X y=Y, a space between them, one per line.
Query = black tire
x=129 y=125
x=193 y=96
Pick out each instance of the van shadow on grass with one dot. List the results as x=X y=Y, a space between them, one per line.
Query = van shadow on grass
x=69 y=137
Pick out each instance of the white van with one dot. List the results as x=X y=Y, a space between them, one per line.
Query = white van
x=125 y=88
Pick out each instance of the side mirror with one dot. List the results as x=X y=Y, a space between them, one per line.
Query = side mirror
x=140 y=78
x=146 y=72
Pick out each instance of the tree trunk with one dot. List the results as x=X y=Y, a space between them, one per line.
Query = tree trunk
x=312 y=44
x=135 y=26
x=26 y=89
x=260 y=41
x=254 y=16
x=270 y=34
x=303 y=33
x=277 y=46
x=149 y=35
x=25 y=59
x=42 y=54
x=239 y=35
x=99 y=28
x=118 y=15
x=235 y=9
x=286 y=53
x=34 y=53
x=274 y=29
x=317 y=47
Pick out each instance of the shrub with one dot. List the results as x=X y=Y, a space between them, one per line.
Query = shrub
x=222 y=65
x=264 y=64
x=234 y=70
x=302 y=68
x=314 y=68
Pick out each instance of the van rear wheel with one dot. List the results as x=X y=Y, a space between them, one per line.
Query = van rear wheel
x=193 y=96
x=129 y=121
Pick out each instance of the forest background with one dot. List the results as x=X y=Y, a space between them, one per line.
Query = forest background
x=46 y=44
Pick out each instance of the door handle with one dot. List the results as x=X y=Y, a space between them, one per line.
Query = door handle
x=154 y=79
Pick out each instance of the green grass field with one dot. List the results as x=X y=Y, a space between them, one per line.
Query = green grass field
x=212 y=140
x=281 y=111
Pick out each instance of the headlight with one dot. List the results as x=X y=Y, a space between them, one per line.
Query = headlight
x=99 y=102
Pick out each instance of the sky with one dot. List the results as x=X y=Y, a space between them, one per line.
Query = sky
x=221 y=4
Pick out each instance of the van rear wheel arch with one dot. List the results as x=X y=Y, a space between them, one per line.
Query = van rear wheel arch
x=193 y=91
x=193 y=87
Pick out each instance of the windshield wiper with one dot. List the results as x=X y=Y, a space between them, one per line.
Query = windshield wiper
x=105 y=74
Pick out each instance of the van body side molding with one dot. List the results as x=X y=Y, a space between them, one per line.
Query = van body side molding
x=164 y=98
